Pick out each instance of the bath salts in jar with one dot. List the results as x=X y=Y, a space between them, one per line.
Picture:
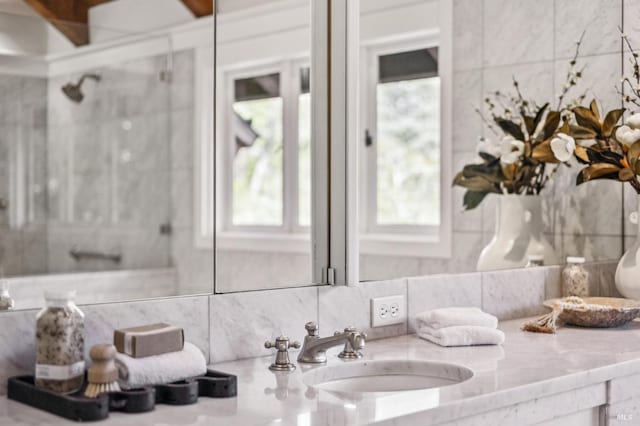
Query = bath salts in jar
x=575 y=278
x=60 y=344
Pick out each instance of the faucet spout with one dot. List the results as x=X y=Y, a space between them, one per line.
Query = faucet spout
x=314 y=347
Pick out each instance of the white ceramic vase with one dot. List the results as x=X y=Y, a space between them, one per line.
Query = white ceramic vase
x=518 y=234
x=628 y=270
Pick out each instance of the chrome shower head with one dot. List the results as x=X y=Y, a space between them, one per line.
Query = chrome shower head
x=73 y=91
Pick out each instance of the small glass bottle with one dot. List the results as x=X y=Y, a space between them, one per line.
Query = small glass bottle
x=534 y=260
x=575 y=278
x=60 y=344
x=6 y=302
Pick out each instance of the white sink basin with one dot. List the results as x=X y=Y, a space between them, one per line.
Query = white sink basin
x=386 y=376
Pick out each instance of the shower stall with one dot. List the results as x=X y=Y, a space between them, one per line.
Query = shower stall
x=85 y=158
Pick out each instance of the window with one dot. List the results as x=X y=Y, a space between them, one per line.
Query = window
x=402 y=140
x=267 y=138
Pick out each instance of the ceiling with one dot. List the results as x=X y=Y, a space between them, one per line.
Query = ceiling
x=70 y=17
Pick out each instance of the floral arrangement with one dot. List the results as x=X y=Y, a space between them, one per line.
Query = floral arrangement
x=530 y=142
x=611 y=151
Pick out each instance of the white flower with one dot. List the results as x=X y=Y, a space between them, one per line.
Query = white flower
x=634 y=121
x=511 y=149
x=489 y=146
x=627 y=135
x=563 y=147
x=587 y=142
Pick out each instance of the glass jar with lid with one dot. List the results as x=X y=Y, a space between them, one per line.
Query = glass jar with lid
x=60 y=344
x=575 y=278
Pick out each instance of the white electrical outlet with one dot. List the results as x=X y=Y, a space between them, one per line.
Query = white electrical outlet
x=388 y=310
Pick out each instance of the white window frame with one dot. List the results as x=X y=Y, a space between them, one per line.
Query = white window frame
x=290 y=236
x=371 y=68
x=409 y=240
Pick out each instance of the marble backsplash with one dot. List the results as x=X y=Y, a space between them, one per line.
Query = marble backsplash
x=234 y=326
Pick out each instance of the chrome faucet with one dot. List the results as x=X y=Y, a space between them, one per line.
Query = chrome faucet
x=314 y=347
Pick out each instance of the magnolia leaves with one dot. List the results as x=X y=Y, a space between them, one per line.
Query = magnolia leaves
x=606 y=158
x=598 y=171
x=543 y=152
x=479 y=180
x=590 y=125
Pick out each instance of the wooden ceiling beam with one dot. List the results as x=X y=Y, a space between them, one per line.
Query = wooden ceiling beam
x=68 y=16
x=200 y=8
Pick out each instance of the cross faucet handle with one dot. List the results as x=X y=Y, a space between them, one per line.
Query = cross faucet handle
x=282 y=345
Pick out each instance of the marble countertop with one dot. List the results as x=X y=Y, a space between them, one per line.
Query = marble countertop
x=526 y=367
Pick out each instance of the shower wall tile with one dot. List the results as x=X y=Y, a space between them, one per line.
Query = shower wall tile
x=631 y=20
x=467 y=96
x=182 y=139
x=141 y=142
x=535 y=79
x=183 y=80
x=599 y=20
x=526 y=36
x=467 y=34
x=599 y=79
x=143 y=198
x=182 y=199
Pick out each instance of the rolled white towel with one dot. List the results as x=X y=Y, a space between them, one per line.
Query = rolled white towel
x=462 y=335
x=449 y=317
x=159 y=369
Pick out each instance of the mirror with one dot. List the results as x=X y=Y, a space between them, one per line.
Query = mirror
x=106 y=136
x=264 y=152
x=415 y=70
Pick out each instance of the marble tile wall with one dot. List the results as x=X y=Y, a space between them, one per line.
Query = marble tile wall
x=234 y=326
x=578 y=221
x=23 y=124
x=241 y=322
x=194 y=265
x=108 y=167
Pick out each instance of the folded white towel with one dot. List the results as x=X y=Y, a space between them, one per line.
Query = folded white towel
x=449 y=317
x=155 y=370
x=462 y=335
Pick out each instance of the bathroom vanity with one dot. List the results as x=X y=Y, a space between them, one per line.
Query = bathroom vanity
x=577 y=377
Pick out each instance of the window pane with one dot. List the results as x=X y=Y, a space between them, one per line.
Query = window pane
x=258 y=162
x=408 y=152
x=304 y=160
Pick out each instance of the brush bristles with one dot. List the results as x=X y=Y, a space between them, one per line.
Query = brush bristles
x=95 y=389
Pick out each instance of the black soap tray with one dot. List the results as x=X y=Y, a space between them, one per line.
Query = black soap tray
x=77 y=407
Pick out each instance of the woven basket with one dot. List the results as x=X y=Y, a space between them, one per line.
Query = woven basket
x=598 y=312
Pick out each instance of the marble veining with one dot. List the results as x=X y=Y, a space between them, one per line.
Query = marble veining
x=508 y=294
x=512 y=384
x=241 y=322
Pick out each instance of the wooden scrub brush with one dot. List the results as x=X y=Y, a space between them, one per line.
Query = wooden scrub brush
x=103 y=374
